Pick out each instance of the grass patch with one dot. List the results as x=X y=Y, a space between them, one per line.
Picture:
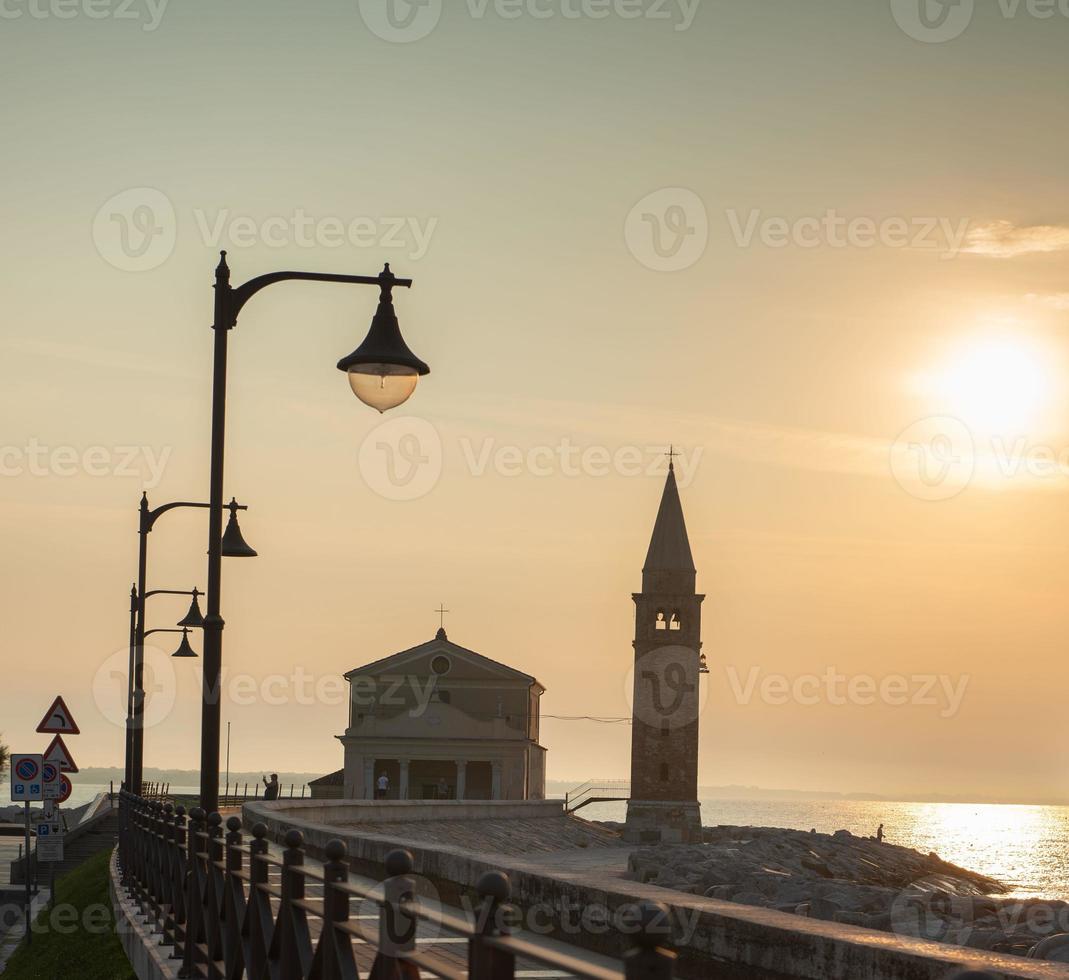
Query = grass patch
x=77 y=939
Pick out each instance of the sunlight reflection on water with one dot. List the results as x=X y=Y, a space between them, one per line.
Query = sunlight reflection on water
x=1022 y=846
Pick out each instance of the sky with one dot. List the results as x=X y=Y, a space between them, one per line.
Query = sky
x=821 y=249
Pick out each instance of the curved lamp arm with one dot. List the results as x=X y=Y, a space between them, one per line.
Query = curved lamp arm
x=149 y=517
x=234 y=299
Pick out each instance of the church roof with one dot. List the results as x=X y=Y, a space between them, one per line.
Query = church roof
x=441 y=644
x=669 y=545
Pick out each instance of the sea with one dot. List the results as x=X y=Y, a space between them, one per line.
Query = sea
x=1027 y=847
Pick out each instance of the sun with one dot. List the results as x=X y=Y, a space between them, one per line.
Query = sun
x=994 y=385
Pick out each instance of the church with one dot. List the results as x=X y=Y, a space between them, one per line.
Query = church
x=440 y=721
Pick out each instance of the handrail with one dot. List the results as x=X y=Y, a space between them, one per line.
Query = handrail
x=211 y=895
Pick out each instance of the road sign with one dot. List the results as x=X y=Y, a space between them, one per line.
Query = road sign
x=49 y=828
x=58 y=720
x=50 y=850
x=58 y=753
x=52 y=786
x=26 y=781
x=51 y=811
x=65 y=789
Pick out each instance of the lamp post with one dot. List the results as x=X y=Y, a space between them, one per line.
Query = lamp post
x=193 y=618
x=382 y=373
x=235 y=547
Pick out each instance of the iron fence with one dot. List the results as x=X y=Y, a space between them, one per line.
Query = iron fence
x=211 y=896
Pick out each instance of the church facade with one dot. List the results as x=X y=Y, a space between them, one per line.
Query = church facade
x=668 y=664
x=440 y=721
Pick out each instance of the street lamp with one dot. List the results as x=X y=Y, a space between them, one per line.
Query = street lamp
x=382 y=373
x=147 y=518
x=135 y=692
x=184 y=649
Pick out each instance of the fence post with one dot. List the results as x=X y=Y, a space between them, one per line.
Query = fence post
x=166 y=879
x=484 y=961
x=233 y=909
x=256 y=929
x=397 y=929
x=213 y=893
x=179 y=864
x=194 y=895
x=334 y=959
x=291 y=944
x=649 y=959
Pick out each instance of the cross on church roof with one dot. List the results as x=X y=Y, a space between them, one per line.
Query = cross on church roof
x=441 y=610
x=672 y=454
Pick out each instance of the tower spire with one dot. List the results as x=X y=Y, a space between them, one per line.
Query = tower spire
x=669 y=549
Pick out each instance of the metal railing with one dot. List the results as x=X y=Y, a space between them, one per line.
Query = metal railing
x=234 y=794
x=596 y=791
x=212 y=898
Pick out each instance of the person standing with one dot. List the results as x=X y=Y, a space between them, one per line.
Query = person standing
x=879 y=834
x=271 y=788
x=382 y=787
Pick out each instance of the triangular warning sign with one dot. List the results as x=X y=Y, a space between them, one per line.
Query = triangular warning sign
x=59 y=720
x=58 y=754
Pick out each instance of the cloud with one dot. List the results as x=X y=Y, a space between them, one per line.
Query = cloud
x=1005 y=240
x=1053 y=301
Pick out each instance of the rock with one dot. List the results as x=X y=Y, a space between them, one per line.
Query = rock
x=822 y=908
x=750 y=898
x=854 y=880
x=1052 y=948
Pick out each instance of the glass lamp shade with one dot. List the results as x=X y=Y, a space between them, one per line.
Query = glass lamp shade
x=383 y=386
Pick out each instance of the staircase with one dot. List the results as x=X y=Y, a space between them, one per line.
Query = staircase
x=98 y=833
x=596 y=791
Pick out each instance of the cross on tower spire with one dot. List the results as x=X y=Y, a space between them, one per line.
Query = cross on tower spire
x=671 y=454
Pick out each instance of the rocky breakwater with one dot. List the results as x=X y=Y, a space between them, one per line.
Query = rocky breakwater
x=858 y=881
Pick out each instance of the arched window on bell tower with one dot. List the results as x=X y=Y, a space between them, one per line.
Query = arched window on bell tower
x=676 y=622
x=660 y=622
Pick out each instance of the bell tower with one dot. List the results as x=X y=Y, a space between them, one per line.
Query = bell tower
x=664 y=726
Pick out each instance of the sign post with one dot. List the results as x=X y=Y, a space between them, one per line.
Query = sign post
x=26 y=785
x=55 y=789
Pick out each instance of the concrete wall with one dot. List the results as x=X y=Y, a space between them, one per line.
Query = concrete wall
x=149 y=959
x=732 y=942
x=314 y=816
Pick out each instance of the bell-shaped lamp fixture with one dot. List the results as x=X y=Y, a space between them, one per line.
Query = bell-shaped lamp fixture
x=184 y=649
x=193 y=619
x=703 y=666
x=383 y=371
x=234 y=545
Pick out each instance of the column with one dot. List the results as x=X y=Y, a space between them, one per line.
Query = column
x=369 y=777
x=495 y=782
x=402 y=790
x=462 y=776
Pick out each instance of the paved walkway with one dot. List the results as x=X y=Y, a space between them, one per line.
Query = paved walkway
x=9 y=941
